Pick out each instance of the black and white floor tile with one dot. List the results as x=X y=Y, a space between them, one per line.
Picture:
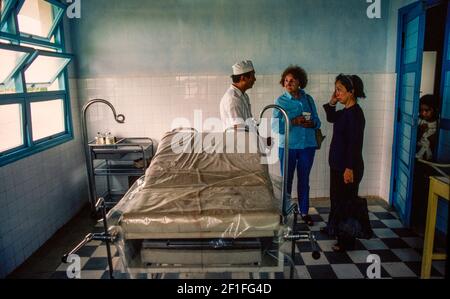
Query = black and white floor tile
x=399 y=249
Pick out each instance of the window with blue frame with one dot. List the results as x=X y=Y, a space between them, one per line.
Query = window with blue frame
x=34 y=97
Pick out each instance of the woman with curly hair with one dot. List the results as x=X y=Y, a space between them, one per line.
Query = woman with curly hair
x=303 y=117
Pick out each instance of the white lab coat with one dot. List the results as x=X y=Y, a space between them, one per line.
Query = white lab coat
x=235 y=109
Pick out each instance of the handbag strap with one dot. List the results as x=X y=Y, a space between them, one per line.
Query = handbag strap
x=308 y=99
x=309 y=103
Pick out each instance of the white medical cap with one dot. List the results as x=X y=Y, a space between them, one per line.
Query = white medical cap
x=243 y=67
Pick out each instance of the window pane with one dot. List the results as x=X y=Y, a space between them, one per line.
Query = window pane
x=4 y=4
x=37 y=17
x=11 y=87
x=9 y=61
x=11 y=130
x=5 y=28
x=47 y=118
x=37 y=47
x=44 y=70
x=54 y=87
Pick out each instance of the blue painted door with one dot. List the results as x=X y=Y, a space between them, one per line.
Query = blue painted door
x=409 y=70
x=444 y=134
x=443 y=153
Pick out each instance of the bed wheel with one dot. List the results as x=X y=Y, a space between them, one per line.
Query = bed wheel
x=64 y=258
x=316 y=255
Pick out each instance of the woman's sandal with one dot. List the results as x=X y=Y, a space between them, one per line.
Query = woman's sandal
x=308 y=220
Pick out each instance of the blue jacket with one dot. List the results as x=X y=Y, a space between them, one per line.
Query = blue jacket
x=299 y=137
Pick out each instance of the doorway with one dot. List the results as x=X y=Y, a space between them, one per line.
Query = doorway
x=431 y=78
x=422 y=59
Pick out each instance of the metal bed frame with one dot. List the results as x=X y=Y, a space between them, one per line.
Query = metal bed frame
x=292 y=236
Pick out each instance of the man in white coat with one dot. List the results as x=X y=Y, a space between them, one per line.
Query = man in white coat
x=235 y=108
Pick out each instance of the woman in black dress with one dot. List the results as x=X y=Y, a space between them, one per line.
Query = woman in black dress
x=348 y=218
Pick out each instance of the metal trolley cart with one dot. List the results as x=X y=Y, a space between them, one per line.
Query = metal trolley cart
x=128 y=157
x=118 y=158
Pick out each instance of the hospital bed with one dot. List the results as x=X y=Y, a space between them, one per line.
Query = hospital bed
x=206 y=203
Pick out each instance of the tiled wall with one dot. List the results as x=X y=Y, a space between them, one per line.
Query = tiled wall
x=388 y=135
x=152 y=103
x=39 y=194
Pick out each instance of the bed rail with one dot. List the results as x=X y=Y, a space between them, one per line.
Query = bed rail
x=187 y=129
x=285 y=210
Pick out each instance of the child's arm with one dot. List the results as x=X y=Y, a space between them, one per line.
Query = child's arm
x=430 y=130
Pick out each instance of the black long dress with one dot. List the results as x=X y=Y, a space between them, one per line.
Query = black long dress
x=349 y=216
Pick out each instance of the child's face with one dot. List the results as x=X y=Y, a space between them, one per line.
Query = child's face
x=426 y=112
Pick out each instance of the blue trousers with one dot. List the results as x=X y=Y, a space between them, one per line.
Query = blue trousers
x=302 y=160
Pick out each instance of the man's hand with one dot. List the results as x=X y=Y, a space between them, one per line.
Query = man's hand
x=348 y=176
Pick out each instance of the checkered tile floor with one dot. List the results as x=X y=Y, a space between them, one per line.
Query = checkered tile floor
x=399 y=249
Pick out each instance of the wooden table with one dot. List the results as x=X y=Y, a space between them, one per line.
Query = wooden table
x=439 y=187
